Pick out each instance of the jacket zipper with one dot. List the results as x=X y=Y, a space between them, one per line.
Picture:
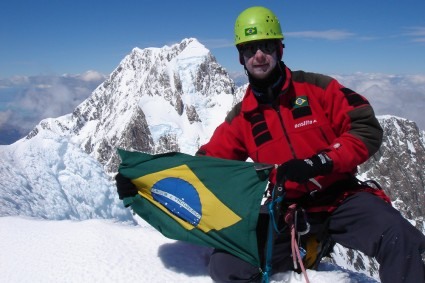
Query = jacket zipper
x=288 y=140
x=276 y=108
x=324 y=135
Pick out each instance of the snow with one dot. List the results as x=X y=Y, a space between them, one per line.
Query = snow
x=99 y=250
x=52 y=178
x=161 y=115
x=411 y=147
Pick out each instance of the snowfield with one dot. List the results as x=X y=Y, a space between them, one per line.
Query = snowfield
x=35 y=250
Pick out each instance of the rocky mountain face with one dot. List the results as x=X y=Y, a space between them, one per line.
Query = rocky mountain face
x=399 y=167
x=185 y=77
x=159 y=100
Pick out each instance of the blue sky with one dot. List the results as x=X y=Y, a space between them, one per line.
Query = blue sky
x=330 y=36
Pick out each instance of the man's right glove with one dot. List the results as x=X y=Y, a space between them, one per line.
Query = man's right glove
x=301 y=170
x=125 y=187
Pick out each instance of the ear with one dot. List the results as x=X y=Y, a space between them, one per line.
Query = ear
x=241 y=59
x=280 y=50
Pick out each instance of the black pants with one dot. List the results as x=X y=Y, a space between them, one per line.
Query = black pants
x=362 y=222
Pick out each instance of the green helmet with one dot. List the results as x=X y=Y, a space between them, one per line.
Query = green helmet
x=257 y=23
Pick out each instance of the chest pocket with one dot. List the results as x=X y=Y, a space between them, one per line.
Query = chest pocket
x=259 y=128
x=301 y=107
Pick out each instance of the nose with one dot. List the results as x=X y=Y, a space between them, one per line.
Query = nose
x=259 y=54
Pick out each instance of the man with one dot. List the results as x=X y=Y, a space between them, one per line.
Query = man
x=319 y=132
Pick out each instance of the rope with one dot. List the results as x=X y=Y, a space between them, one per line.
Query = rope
x=296 y=255
x=270 y=237
x=273 y=206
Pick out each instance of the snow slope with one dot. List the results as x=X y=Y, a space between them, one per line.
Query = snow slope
x=99 y=250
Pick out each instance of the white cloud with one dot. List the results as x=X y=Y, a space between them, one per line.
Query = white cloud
x=331 y=34
x=43 y=86
x=90 y=76
x=4 y=117
x=416 y=33
x=38 y=97
x=400 y=95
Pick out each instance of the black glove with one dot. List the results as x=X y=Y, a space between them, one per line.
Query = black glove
x=125 y=187
x=301 y=170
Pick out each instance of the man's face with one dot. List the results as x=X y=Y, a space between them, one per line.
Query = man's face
x=260 y=57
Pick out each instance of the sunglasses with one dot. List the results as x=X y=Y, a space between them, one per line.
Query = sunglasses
x=266 y=46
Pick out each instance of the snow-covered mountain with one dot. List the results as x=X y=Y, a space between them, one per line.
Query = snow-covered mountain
x=156 y=100
x=159 y=100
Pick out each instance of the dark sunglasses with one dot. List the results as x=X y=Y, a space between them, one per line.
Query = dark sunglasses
x=266 y=46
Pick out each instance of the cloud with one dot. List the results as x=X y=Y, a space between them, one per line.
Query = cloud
x=27 y=100
x=398 y=95
x=4 y=117
x=331 y=34
x=416 y=33
x=91 y=76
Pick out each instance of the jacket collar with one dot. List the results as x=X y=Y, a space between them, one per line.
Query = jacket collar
x=250 y=102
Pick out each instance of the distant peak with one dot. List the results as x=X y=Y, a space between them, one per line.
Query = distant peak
x=183 y=44
x=190 y=40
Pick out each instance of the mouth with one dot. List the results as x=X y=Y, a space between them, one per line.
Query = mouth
x=261 y=66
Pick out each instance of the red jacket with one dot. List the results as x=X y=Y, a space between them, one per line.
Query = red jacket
x=313 y=113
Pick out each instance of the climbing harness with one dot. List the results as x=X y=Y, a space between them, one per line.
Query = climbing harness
x=317 y=245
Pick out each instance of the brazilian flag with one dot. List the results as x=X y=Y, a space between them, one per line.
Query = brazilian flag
x=203 y=200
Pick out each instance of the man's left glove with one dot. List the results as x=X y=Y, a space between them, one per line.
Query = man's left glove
x=301 y=170
x=125 y=187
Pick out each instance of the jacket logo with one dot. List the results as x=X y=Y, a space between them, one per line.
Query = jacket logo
x=305 y=123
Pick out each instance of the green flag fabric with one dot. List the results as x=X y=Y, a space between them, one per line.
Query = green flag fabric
x=203 y=200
